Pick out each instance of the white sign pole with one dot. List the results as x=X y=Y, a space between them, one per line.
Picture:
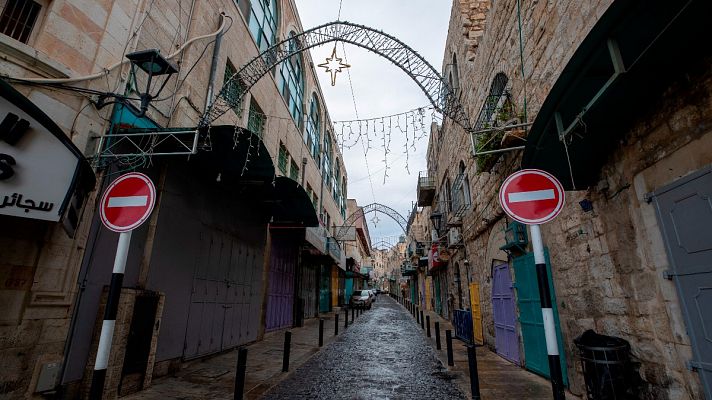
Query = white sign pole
x=547 y=313
x=107 y=327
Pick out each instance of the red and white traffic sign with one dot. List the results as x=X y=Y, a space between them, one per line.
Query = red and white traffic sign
x=532 y=196
x=127 y=202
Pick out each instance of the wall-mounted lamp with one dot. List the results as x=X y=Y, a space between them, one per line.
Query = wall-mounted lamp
x=435 y=218
x=586 y=205
x=154 y=64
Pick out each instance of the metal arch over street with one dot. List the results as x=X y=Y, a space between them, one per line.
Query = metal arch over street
x=425 y=76
x=373 y=207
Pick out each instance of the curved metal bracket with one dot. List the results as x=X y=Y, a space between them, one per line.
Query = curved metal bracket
x=441 y=96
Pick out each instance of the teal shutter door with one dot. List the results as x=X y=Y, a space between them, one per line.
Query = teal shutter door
x=530 y=319
x=324 y=289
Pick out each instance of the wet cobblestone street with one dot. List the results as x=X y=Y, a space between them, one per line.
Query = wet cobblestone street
x=384 y=355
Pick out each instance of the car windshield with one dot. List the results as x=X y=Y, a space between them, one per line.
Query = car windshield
x=360 y=293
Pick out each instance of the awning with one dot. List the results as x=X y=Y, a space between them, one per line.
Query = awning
x=616 y=76
x=291 y=204
x=237 y=154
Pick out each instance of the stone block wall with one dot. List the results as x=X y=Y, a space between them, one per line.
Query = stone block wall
x=607 y=264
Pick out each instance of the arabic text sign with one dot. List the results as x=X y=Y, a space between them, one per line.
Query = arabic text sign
x=36 y=168
x=127 y=202
x=532 y=196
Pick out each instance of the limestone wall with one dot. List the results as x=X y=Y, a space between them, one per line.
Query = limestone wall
x=607 y=264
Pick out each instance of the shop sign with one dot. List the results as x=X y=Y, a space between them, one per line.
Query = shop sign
x=38 y=167
x=434 y=260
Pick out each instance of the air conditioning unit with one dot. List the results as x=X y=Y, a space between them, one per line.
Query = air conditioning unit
x=454 y=238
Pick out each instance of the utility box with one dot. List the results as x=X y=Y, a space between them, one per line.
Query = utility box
x=48 y=377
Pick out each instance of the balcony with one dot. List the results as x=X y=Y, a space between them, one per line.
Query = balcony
x=426 y=189
x=332 y=246
x=408 y=270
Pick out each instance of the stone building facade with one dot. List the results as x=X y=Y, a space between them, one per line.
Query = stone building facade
x=611 y=251
x=67 y=59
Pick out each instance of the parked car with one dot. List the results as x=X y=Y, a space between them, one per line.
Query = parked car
x=361 y=299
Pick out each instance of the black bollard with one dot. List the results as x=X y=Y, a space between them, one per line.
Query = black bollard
x=448 y=343
x=422 y=320
x=240 y=373
x=417 y=315
x=437 y=335
x=321 y=332
x=427 y=322
x=474 y=378
x=346 y=318
x=287 y=347
x=353 y=314
x=336 y=324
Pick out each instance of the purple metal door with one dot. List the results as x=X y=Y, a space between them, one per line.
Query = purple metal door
x=280 y=301
x=505 y=319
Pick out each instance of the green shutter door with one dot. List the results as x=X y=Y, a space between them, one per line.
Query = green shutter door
x=530 y=318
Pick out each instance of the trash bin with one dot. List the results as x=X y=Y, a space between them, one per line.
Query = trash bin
x=607 y=368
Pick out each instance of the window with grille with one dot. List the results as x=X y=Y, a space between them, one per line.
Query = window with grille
x=18 y=18
x=263 y=22
x=461 y=192
x=256 y=119
x=283 y=157
x=234 y=88
x=294 y=171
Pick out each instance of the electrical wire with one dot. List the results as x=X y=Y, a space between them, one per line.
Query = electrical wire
x=106 y=71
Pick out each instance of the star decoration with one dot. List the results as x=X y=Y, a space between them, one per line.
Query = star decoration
x=375 y=219
x=334 y=65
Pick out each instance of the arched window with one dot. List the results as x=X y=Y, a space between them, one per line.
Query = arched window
x=263 y=22
x=311 y=133
x=327 y=165
x=336 y=181
x=454 y=75
x=461 y=192
x=291 y=83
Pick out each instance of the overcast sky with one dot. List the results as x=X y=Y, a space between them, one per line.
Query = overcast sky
x=379 y=89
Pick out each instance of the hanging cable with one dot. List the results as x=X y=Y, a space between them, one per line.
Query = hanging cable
x=107 y=70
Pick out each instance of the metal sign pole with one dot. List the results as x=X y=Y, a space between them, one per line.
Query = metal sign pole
x=552 y=346
x=107 y=327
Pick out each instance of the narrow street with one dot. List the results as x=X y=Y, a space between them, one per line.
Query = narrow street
x=384 y=355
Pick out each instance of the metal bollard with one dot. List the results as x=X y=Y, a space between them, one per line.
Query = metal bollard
x=448 y=343
x=474 y=378
x=422 y=320
x=417 y=315
x=287 y=347
x=353 y=314
x=321 y=332
x=427 y=322
x=336 y=324
x=346 y=318
x=240 y=373
x=437 y=335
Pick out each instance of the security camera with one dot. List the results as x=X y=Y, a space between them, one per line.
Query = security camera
x=466 y=262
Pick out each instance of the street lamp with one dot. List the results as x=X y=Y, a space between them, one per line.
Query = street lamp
x=154 y=64
x=435 y=218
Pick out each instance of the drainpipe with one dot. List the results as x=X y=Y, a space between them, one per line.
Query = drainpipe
x=214 y=67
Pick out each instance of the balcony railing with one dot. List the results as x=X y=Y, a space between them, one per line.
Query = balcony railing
x=426 y=189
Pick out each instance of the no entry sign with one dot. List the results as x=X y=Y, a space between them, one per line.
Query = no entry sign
x=532 y=196
x=127 y=202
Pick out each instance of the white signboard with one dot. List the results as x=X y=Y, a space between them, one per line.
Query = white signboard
x=37 y=169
